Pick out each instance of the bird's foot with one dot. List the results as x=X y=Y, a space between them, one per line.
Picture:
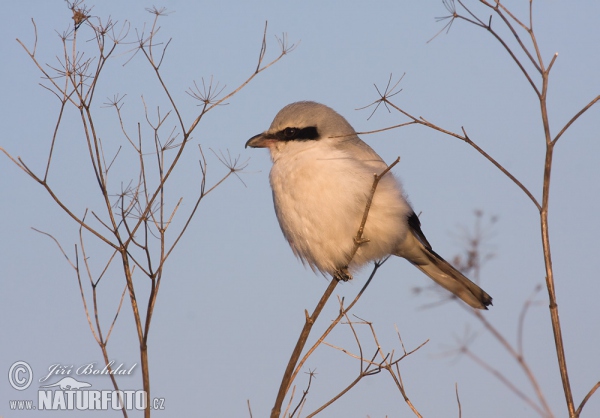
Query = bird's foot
x=343 y=274
x=358 y=242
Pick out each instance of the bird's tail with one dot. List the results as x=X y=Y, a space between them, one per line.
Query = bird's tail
x=441 y=272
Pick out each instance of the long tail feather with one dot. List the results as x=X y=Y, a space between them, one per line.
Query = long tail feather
x=441 y=272
x=418 y=251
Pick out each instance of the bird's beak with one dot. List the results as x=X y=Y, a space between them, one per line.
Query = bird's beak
x=258 y=141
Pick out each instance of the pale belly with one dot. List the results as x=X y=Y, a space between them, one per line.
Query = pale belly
x=320 y=206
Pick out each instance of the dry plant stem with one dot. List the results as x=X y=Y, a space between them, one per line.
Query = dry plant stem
x=587 y=397
x=342 y=393
x=310 y=320
x=249 y=408
x=363 y=371
x=388 y=364
x=464 y=137
x=373 y=367
x=506 y=381
x=458 y=401
x=545 y=410
x=334 y=323
x=544 y=71
x=97 y=330
x=289 y=405
x=533 y=53
x=542 y=207
x=558 y=340
x=358 y=240
x=516 y=353
x=290 y=374
x=303 y=398
x=398 y=380
x=140 y=209
x=522 y=315
x=553 y=305
x=102 y=342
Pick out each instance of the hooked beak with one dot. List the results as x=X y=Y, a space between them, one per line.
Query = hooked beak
x=259 y=141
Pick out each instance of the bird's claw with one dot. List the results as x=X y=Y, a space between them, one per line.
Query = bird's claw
x=343 y=274
x=361 y=241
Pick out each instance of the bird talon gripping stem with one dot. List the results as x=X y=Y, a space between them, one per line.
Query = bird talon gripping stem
x=342 y=274
x=361 y=241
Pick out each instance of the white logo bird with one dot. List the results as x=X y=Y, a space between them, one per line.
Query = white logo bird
x=322 y=177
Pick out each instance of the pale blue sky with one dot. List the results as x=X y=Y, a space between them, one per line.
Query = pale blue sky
x=233 y=297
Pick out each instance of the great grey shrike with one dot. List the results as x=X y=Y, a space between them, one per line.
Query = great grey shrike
x=322 y=177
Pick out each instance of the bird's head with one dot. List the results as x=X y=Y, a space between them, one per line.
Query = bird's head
x=302 y=123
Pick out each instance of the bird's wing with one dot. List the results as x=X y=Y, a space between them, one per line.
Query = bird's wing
x=415 y=226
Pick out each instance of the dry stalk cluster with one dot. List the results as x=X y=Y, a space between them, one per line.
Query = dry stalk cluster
x=132 y=221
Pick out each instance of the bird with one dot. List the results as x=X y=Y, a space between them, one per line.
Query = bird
x=321 y=180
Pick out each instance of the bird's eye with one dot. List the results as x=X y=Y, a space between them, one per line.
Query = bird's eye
x=297 y=134
x=290 y=133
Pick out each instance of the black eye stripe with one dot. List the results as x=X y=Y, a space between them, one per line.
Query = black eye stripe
x=296 y=134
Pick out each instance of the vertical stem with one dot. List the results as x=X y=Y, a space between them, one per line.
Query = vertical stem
x=558 y=340
x=286 y=381
x=140 y=332
x=145 y=376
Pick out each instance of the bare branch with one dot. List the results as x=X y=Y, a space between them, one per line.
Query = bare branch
x=464 y=137
x=546 y=411
x=341 y=393
x=587 y=398
x=311 y=376
x=458 y=401
x=574 y=118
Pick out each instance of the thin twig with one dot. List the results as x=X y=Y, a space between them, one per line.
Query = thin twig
x=302 y=400
x=587 y=397
x=249 y=408
x=288 y=374
x=358 y=239
x=464 y=137
x=458 y=401
x=547 y=411
x=574 y=118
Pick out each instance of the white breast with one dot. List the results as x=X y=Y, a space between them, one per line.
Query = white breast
x=320 y=194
